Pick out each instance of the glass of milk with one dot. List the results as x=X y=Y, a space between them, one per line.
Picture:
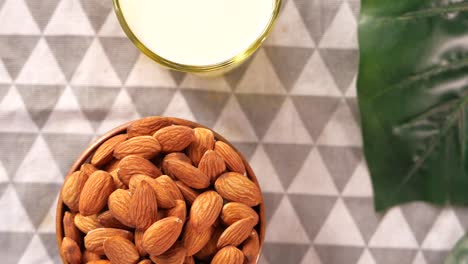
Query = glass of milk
x=198 y=36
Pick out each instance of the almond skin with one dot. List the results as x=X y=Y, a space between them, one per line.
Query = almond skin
x=203 y=140
x=135 y=165
x=174 y=138
x=212 y=165
x=105 y=152
x=189 y=260
x=251 y=247
x=95 y=193
x=69 y=228
x=120 y=250
x=117 y=182
x=205 y=210
x=70 y=251
x=233 y=212
x=210 y=248
x=119 y=205
x=90 y=256
x=143 y=209
x=88 y=169
x=189 y=194
x=194 y=240
x=168 y=190
x=180 y=210
x=139 y=242
x=106 y=219
x=231 y=157
x=235 y=187
x=175 y=255
x=145 y=261
x=94 y=240
x=236 y=233
x=187 y=173
x=143 y=146
x=87 y=223
x=136 y=180
x=72 y=188
x=112 y=165
x=228 y=255
x=147 y=126
x=160 y=236
x=102 y=261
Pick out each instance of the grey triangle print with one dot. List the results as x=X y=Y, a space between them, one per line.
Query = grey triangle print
x=18 y=146
x=12 y=246
x=42 y=10
x=97 y=12
x=338 y=254
x=206 y=105
x=121 y=53
x=150 y=102
x=393 y=256
x=15 y=50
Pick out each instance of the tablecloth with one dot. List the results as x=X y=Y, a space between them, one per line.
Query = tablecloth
x=68 y=74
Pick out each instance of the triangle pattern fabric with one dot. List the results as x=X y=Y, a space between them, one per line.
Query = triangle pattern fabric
x=178 y=76
x=34 y=72
x=69 y=19
x=246 y=148
x=40 y=100
x=234 y=76
x=61 y=46
x=97 y=12
x=18 y=145
x=42 y=10
x=15 y=18
x=419 y=259
x=313 y=177
x=288 y=62
x=272 y=201
x=3 y=177
x=14 y=216
x=287 y=160
x=420 y=217
x=48 y=223
x=360 y=184
x=366 y=258
x=15 y=50
x=121 y=53
x=206 y=106
x=13 y=115
x=38 y=155
x=342 y=33
x=445 y=232
x=146 y=72
x=339 y=228
x=393 y=256
x=284 y=252
x=347 y=157
x=286 y=216
x=462 y=215
x=435 y=257
x=362 y=211
x=37 y=199
x=311 y=257
x=35 y=253
x=265 y=171
x=342 y=64
x=387 y=236
x=215 y=84
x=150 y=101
x=289 y=29
x=12 y=245
x=233 y=124
x=4 y=76
x=312 y=210
x=355 y=7
x=259 y=76
x=3 y=90
x=178 y=108
x=338 y=254
x=50 y=243
x=287 y=126
x=111 y=27
x=315 y=79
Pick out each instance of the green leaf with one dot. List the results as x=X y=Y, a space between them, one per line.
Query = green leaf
x=459 y=254
x=413 y=98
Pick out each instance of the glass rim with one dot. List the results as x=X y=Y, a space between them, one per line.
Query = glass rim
x=238 y=59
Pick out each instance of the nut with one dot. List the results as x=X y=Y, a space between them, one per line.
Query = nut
x=174 y=138
x=251 y=247
x=236 y=233
x=203 y=140
x=95 y=193
x=147 y=126
x=135 y=165
x=233 y=212
x=160 y=236
x=87 y=223
x=233 y=160
x=70 y=251
x=235 y=187
x=120 y=250
x=228 y=255
x=72 y=188
x=105 y=152
x=143 y=208
x=94 y=240
x=119 y=206
x=142 y=146
x=187 y=173
x=195 y=240
x=205 y=210
x=175 y=255
x=212 y=165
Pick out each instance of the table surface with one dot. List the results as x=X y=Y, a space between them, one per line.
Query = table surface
x=68 y=74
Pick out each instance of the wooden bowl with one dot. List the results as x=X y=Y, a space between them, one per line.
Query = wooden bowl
x=89 y=151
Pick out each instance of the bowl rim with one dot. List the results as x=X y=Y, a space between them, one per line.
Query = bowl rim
x=87 y=153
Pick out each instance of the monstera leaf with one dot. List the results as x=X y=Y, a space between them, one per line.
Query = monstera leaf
x=459 y=254
x=413 y=98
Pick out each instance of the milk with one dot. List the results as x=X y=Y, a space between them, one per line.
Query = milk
x=197 y=32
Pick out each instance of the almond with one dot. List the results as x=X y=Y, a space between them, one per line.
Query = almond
x=87 y=223
x=178 y=156
x=205 y=210
x=117 y=182
x=194 y=240
x=160 y=236
x=90 y=256
x=88 y=169
x=147 y=126
x=189 y=194
x=235 y=187
x=210 y=248
x=168 y=190
x=180 y=210
x=143 y=209
x=203 y=141
x=94 y=240
x=233 y=212
x=251 y=247
x=112 y=165
x=228 y=255
x=72 y=188
x=69 y=228
x=212 y=165
x=119 y=204
x=106 y=219
x=189 y=260
x=134 y=165
x=143 y=146
x=236 y=233
x=187 y=173
x=231 y=157
x=105 y=151
x=70 y=251
x=145 y=261
x=136 y=180
x=120 y=250
x=95 y=193
x=102 y=261
x=139 y=242
x=175 y=255
x=174 y=138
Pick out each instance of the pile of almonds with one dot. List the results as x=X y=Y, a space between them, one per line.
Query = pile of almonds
x=164 y=194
